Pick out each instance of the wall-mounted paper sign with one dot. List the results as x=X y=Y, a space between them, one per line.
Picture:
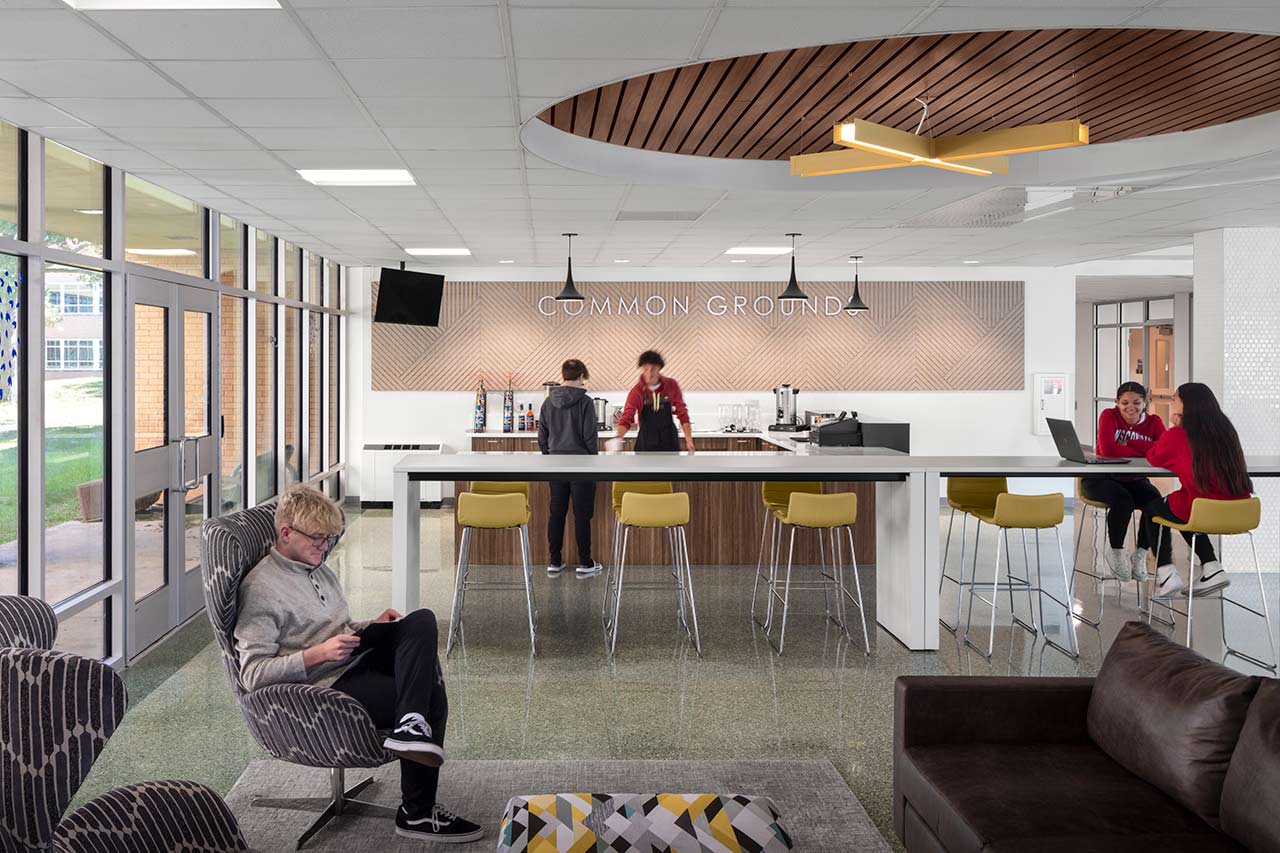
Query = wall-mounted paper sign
x=1050 y=399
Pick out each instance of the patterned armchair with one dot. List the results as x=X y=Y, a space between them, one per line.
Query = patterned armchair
x=74 y=705
x=26 y=623
x=298 y=723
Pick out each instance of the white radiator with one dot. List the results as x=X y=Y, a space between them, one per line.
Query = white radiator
x=376 y=481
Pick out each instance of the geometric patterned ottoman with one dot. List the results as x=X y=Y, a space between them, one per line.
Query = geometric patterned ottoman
x=642 y=823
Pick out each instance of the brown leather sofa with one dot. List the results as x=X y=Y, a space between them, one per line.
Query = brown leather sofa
x=1164 y=750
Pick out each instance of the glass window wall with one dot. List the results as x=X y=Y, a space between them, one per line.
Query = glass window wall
x=315 y=280
x=230 y=252
x=315 y=397
x=335 y=286
x=264 y=267
x=10 y=180
x=75 y=410
x=292 y=395
x=10 y=420
x=332 y=396
x=233 y=400
x=265 y=349
x=292 y=265
x=162 y=229
x=73 y=191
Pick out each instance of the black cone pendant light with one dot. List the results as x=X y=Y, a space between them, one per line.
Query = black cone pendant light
x=793 y=290
x=570 y=293
x=856 y=306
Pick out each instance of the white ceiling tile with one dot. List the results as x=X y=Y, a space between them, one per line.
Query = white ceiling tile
x=123 y=158
x=738 y=31
x=140 y=112
x=196 y=138
x=468 y=177
x=317 y=138
x=463 y=159
x=209 y=34
x=405 y=4
x=380 y=158
x=426 y=77
x=1242 y=17
x=73 y=78
x=982 y=17
x=406 y=33
x=38 y=34
x=290 y=112
x=558 y=78
x=605 y=33
x=287 y=78
x=440 y=112
x=249 y=178
x=29 y=112
x=470 y=138
x=185 y=158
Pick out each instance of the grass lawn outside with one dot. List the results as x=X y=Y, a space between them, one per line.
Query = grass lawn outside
x=73 y=455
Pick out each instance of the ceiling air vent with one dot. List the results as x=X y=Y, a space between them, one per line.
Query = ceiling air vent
x=659 y=215
x=1005 y=206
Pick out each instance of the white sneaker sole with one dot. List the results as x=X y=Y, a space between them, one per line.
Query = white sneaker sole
x=423 y=753
x=589 y=571
x=440 y=839
x=1168 y=590
x=1217 y=583
x=554 y=570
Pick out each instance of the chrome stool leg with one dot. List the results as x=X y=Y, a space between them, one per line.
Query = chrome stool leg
x=459 y=591
x=1067 y=575
x=764 y=533
x=995 y=592
x=688 y=587
x=785 y=598
x=528 y=587
x=1265 y=614
x=857 y=583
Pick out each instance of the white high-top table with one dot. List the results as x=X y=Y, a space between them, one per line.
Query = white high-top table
x=908 y=529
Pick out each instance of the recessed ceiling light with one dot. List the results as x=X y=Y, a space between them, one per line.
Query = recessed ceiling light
x=506 y=262
x=116 y=5
x=161 y=253
x=440 y=252
x=758 y=250
x=738 y=261
x=972 y=262
x=358 y=177
x=621 y=261
x=89 y=212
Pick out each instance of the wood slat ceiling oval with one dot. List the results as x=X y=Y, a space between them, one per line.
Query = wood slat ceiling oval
x=1123 y=83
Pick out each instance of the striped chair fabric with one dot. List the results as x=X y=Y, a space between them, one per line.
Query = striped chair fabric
x=298 y=723
x=26 y=623
x=56 y=712
x=152 y=817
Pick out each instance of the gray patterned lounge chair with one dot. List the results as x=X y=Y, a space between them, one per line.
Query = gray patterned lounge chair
x=298 y=723
x=26 y=623
x=57 y=712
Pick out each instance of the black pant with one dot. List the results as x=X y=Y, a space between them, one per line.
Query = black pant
x=1164 y=554
x=400 y=675
x=1122 y=497
x=583 y=495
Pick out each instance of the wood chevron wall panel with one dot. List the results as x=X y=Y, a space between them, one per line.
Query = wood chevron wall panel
x=715 y=336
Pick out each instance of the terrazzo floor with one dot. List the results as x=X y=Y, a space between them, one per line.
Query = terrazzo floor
x=824 y=698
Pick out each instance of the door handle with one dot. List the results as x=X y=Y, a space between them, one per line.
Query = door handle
x=188 y=485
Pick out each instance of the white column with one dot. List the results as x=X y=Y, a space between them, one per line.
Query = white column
x=1236 y=352
x=405 y=528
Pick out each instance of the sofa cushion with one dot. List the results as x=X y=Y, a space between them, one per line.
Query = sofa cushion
x=1170 y=716
x=982 y=795
x=1251 y=793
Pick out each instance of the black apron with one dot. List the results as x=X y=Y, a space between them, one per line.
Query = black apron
x=657 y=427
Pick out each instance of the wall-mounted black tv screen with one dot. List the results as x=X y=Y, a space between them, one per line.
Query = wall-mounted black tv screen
x=409 y=298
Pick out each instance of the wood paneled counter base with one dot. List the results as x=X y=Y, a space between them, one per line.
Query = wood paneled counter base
x=724 y=524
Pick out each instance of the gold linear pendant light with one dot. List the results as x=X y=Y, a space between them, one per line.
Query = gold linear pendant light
x=871 y=146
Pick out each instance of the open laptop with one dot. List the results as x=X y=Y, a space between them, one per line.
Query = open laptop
x=1064 y=435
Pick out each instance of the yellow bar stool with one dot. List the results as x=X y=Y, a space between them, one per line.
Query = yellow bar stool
x=621 y=488
x=1025 y=512
x=1099 y=511
x=833 y=515
x=967 y=495
x=655 y=511
x=492 y=511
x=775 y=497
x=1222 y=518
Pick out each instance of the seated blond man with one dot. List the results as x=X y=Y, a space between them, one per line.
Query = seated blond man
x=295 y=626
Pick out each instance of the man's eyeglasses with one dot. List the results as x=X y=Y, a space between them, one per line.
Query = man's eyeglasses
x=320 y=540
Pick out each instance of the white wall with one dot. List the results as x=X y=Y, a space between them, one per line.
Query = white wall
x=962 y=422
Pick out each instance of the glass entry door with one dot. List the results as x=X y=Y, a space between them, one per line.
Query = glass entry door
x=172 y=400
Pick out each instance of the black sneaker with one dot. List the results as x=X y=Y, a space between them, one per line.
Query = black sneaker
x=590 y=571
x=412 y=740
x=439 y=825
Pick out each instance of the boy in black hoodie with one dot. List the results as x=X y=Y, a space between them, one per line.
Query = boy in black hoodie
x=567 y=424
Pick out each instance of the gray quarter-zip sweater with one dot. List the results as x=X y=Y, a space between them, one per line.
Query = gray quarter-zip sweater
x=285 y=608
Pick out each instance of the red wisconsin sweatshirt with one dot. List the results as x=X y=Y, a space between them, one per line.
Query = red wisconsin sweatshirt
x=1173 y=451
x=1116 y=437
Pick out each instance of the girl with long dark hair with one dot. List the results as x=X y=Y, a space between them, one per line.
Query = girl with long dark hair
x=1126 y=429
x=1203 y=450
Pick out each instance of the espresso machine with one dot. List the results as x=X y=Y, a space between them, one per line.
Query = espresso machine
x=602 y=413
x=784 y=400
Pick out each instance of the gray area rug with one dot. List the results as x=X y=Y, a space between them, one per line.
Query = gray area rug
x=818 y=808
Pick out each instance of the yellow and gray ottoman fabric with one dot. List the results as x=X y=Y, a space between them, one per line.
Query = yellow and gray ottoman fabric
x=642 y=823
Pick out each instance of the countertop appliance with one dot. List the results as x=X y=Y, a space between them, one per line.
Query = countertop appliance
x=812 y=419
x=843 y=431
x=784 y=398
x=602 y=412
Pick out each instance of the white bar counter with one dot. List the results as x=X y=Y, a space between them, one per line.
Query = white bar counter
x=907 y=503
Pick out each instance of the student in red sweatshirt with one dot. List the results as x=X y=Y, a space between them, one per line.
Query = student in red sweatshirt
x=656 y=402
x=1203 y=450
x=1126 y=429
